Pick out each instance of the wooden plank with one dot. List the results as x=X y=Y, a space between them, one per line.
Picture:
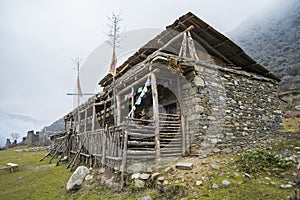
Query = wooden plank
x=124 y=157
x=139 y=143
x=142 y=135
x=118 y=108
x=85 y=155
x=94 y=117
x=137 y=152
x=114 y=158
x=155 y=115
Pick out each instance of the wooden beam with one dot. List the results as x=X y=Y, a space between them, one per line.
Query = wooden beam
x=93 y=117
x=155 y=115
x=124 y=157
x=183 y=133
x=118 y=109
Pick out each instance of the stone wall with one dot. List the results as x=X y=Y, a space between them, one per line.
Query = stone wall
x=227 y=110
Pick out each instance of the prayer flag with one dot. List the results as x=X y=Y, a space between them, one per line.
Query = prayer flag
x=112 y=67
x=78 y=86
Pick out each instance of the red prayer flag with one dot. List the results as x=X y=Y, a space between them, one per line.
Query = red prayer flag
x=79 y=87
x=112 y=67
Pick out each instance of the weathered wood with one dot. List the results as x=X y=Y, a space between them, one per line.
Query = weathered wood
x=155 y=114
x=142 y=135
x=104 y=146
x=85 y=119
x=118 y=108
x=114 y=158
x=139 y=143
x=124 y=157
x=93 y=117
x=138 y=152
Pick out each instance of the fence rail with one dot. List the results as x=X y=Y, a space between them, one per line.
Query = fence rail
x=116 y=146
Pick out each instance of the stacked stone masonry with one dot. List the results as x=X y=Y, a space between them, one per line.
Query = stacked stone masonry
x=228 y=110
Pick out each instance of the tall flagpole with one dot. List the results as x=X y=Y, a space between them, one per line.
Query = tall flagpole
x=114 y=39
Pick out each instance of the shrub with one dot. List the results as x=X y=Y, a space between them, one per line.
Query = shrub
x=260 y=160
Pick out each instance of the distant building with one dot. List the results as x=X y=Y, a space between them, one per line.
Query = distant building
x=32 y=138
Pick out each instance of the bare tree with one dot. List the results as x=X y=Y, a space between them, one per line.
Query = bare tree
x=114 y=32
x=15 y=136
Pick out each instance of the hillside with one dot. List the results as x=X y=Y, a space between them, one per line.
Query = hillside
x=55 y=127
x=273 y=39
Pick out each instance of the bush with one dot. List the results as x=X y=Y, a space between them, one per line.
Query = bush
x=256 y=161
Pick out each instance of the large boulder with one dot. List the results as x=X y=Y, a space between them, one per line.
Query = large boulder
x=77 y=178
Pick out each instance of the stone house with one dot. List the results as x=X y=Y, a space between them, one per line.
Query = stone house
x=188 y=91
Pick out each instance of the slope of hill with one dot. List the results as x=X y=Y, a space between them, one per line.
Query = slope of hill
x=55 y=127
x=273 y=39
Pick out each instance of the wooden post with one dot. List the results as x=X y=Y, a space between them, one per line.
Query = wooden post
x=104 y=145
x=155 y=115
x=183 y=133
x=79 y=120
x=118 y=109
x=104 y=115
x=85 y=119
x=124 y=157
x=132 y=101
x=93 y=117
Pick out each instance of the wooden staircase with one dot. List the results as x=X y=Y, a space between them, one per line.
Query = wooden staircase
x=170 y=135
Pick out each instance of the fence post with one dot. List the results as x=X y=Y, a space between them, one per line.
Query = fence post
x=124 y=156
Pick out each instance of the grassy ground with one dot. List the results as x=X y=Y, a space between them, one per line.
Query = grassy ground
x=34 y=180
x=39 y=180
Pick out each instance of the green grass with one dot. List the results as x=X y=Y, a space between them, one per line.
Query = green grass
x=30 y=182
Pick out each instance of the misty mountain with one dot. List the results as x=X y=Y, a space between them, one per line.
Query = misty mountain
x=55 y=127
x=272 y=38
x=16 y=123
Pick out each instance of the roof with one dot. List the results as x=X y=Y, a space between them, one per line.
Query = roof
x=215 y=43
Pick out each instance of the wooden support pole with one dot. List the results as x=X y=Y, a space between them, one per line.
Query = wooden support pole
x=155 y=115
x=104 y=146
x=124 y=157
x=93 y=117
x=132 y=101
x=85 y=120
x=183 y=133
x=118 y=109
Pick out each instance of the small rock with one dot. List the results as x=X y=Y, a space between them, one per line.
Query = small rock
x=88 y=177
x=214 y=166
x=268 y=178
x=297 y=148
x=139 y=183
x=185 y=166
x=145 y=198
x=287 y=186
x=136 y=167
x=226 y=182
x=215 y=186
x=272 y=183
x=227 y=150
x=169 y=169
x=77 y=177
x=155 y=175
x=144 y=176
x=240 y=183
x=236 y=174
x=166 y=182
x=216 y=150
x=198 y=183
x=101 y=170
x=135 y=176
x=161 y=178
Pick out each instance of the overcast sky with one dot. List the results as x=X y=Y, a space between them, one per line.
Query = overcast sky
x=38 y=38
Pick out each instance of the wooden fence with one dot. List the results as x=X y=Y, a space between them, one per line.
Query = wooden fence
x=116 y=146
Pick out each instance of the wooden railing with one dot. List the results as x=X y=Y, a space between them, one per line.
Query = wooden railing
x=116 y=146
